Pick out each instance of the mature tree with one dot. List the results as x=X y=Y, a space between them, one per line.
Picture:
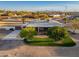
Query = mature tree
x=1 y=11
x=36 y=16
x=57 y=33
x=65 y=20
x=28 y=32
x=23 y=20
x=75 y=24
x=10 y=14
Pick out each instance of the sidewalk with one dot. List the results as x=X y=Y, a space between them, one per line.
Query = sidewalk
x=12 y=35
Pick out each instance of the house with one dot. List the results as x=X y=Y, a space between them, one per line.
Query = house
x=42 y=25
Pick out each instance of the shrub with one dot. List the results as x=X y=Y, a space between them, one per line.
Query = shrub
x=28 y=32
x=26 y=40
x=57 y=32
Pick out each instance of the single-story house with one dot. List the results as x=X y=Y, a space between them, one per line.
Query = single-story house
x=42 y=25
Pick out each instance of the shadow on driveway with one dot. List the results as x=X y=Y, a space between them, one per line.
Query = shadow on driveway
x=10 y=44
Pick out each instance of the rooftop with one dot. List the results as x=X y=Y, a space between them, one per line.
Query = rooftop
x=42 y=23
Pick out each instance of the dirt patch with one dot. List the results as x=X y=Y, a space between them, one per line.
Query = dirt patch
x=41 y=36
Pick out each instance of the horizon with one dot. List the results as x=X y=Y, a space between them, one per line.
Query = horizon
x=40 y=5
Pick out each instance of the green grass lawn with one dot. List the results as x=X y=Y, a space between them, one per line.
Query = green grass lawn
x=49 y=42
x=68 y=41
x=42 y=39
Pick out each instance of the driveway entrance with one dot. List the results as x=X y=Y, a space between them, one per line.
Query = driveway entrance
x=12 y=35
x=4 y=32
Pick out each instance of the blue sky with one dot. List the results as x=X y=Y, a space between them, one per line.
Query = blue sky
x=40 y=5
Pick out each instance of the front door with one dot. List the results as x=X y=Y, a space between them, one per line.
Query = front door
x=41 y=30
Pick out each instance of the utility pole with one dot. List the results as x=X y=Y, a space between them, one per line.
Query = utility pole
x=65 y=10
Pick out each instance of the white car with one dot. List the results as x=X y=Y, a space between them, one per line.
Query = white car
x=8 y=28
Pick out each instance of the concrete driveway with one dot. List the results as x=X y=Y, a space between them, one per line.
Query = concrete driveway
x=3 y=33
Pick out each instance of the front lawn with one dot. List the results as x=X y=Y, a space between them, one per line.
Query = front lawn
x=68 y=41
x=39 y=41
x=42 y=39
x=56 y=36
x=49 y=42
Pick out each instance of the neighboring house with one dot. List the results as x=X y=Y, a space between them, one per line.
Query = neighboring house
x=3 y=17
x=28 y=16
x=55 y=15
x=12 y=24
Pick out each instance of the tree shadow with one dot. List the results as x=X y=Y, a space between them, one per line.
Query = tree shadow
x=10 y=44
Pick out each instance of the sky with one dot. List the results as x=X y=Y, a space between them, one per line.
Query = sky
x=40 y=5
